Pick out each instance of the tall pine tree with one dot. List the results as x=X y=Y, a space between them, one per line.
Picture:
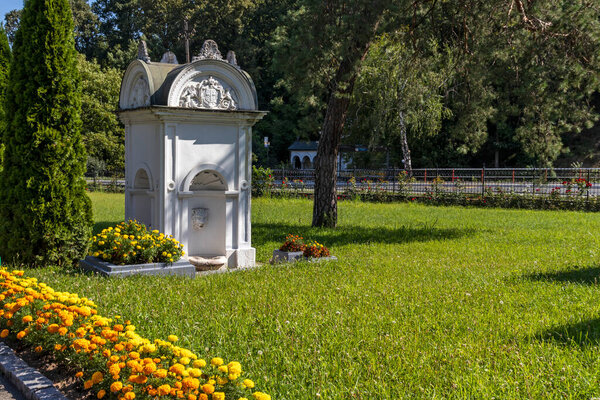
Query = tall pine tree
x=45 y=215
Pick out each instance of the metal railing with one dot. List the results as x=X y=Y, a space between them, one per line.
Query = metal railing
x=559 y=182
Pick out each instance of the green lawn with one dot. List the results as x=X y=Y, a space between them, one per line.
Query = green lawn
x=425 y=302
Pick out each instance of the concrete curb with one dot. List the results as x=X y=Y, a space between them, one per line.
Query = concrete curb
x=29 y=381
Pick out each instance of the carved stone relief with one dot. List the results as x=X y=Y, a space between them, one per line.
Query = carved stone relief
x=140 y=94
x=199 y=218
x=210 y=51
x=207 y=94
x=143 y=51
x=169 y=58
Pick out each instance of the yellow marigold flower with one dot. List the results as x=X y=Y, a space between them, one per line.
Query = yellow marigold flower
x=233 y=377
x=242 y=398
x=208 y=388
x=4 y=333
x=172 y=338
x=217 y=361
x=101 y=394
x=195 y=372
x=129 y=396
x=192 y=397
x=248 y=383
x=223 y=368
x=234 y=367
x=134 y=355
x=116 y=387
x=261 y=396
x=222 y=381
x=218 y=396
x=184 y=360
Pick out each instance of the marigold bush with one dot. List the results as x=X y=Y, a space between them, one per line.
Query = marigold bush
x=113 y=360
x=293 y=243
x=131 y=243
x=315 y=249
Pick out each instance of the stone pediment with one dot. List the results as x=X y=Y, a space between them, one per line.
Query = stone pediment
x=207 y=83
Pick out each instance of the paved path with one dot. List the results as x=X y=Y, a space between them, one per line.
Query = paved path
x=8 y=391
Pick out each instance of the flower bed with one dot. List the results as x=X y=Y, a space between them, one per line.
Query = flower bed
x=114 y=361
x=294 y=249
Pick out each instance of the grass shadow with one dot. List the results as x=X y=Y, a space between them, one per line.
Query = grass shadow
x=355 y=234
x=582 y=334
x=576 y=274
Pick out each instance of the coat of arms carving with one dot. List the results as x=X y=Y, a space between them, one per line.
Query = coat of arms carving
x=207 y=94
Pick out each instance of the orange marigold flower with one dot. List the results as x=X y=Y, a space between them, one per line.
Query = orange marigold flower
x=21 y=335
x=208 y=388
x=97 y=377
x=177 y=369
x=62 y=331
x=27 y=319
x=218 y=396
x=4 y=333
x=129 y=396
x=116 y=387
x=79 y=374
x=101 y=394
x=164 y=390
x=160 y=373
x=87 y=384
x=149 y=368
x=53 y=328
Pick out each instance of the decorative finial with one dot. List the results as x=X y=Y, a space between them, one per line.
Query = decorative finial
x=210 y=51
x=143 y=52
x=169 y=58
x=231 y=58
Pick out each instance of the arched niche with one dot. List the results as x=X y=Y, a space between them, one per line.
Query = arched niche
x=306 y=162
x=142 y=196
x=207 y=180
x=142 y=180
x=296 y=162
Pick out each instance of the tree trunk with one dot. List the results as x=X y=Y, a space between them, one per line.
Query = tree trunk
x=404 y=144
x=325 y=202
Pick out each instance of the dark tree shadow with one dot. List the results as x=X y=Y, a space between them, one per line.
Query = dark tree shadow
x=576 y=274
x=268 y=232
x=582 y=334
x=98 y=226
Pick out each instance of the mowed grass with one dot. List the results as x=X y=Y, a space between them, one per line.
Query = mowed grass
x=424 y=302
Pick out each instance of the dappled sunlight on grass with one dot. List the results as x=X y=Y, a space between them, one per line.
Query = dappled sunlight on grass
x=424 y=302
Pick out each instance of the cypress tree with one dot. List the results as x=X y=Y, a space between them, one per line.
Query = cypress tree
x=4 y=67
x=45 y=215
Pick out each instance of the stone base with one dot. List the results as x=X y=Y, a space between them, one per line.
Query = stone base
x=181 y=267
x=241 y=258
x=208 y=263
x=280 y=256
x=293 y=256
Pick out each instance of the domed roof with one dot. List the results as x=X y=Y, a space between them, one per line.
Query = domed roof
x=208 y=83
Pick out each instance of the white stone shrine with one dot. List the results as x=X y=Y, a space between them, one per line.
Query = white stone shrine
x=188 y=157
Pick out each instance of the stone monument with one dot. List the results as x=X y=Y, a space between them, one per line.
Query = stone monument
x=188 y=155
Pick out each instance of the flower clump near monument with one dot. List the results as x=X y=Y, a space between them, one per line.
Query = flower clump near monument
x=131 y=243
x=312 y=249
x=113 y=360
